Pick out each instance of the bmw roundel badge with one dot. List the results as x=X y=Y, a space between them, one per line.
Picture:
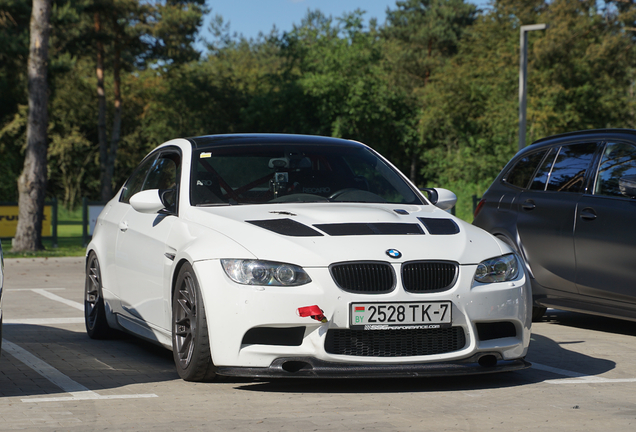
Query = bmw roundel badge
x=394 y=253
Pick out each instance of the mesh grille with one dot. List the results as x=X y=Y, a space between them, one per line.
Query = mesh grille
x=364 y=277
x=428 y=276
x=394 y=343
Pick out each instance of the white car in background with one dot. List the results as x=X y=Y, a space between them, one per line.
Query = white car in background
x=265 y=255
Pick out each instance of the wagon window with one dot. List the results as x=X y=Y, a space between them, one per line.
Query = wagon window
x=543 y=173
x=617 y=169
x=523 y=170
x=570 y=166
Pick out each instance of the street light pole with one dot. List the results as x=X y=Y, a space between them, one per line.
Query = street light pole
x=523 y=72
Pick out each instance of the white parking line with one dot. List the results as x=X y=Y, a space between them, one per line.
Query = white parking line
x=78 y=392
x=31 y=289
x=48 y=321
x=579 y=377
x=44 y=321
x=57 y=298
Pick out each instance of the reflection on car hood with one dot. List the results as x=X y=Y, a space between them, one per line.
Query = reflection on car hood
x=319 y=234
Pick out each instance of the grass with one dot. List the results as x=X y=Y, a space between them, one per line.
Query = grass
x=69 y=239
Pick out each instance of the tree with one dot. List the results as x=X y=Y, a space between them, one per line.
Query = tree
x=32 y=181
x=581 y=77
x=423 y=35
x=339 y=70
x=14 y=54
x=135 y=33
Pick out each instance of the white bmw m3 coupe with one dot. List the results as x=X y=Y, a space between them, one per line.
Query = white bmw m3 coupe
x=264 y=255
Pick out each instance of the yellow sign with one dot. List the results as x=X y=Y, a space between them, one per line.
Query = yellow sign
x=9 y=220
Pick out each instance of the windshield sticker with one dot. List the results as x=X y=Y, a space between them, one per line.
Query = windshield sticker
x=205 y=155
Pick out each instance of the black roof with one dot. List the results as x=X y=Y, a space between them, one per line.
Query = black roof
x=261 y=138
x=609 y=133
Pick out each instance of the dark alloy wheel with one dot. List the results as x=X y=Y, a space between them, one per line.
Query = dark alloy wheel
x=190 y=340
x=94 y=309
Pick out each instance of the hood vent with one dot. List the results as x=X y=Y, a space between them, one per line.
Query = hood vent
x=286 y=227
x=440 y=226
x=358 y=229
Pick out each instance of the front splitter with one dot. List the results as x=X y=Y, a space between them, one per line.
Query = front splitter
x=307 y=367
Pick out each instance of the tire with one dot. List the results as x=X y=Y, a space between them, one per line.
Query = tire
x=537 y=313
x=94 y=308
x=190 y=340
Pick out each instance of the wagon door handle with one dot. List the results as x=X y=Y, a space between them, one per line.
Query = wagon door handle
x=588 y=214
x=528 y=205
x=123 y=226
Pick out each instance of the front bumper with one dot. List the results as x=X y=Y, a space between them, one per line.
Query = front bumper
x=235 y=311
x=312 y=368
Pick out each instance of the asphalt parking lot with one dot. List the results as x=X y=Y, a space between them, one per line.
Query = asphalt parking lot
x=54 y=378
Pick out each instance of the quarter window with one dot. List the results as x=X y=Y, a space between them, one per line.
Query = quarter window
x=617 y=167
x=521 y=173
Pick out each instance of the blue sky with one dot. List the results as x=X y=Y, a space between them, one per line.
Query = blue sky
x=249 y=17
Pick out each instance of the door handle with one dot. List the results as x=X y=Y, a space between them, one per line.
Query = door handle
x=123 y=226
x=528 y=205
x=588 y=213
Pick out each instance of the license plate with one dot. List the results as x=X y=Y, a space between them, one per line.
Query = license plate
x=407 y=315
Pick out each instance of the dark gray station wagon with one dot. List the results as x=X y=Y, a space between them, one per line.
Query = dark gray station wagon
x=567 y=204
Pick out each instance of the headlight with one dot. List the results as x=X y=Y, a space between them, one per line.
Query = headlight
x=255 y=272
x=500 y=269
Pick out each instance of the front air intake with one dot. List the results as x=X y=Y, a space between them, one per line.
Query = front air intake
x=394 y=343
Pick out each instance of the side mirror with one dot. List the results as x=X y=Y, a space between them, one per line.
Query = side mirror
x=147 y=201
x=442 y=198
x=627 y=186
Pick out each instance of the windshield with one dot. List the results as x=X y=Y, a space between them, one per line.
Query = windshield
x=258 y=174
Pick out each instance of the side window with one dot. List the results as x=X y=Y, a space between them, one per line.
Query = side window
x=617 y=168
x=521 y=173
x=543 y=173
x=164 y=172
x=164 y=175
x=136 y=180
x=570 y=166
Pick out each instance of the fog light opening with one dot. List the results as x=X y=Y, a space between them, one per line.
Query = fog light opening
x=488 y=361
x=295 y=366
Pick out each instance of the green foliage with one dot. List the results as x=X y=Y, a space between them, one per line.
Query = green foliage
x=341 y=71
x=580 y=77
x=435 y=89
x=584 y=71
